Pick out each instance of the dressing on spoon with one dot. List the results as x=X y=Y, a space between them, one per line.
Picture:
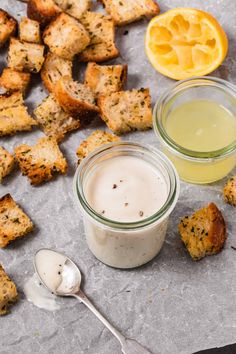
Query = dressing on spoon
x=62 y=277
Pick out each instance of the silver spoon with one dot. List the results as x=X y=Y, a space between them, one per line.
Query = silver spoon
x=128 y=346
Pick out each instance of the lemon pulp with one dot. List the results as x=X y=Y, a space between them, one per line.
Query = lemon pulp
x=201 y=126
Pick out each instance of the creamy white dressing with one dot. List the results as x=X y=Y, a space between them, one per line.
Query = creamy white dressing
x=36 y=293
x=126 y=189
x=57 y=273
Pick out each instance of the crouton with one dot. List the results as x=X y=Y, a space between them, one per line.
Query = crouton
x=42 y=161
x=74 y=97
x=24 y=56
x=94 y=141
x=13 y=115
x=14 y=223
x=42 y=11
x=75 y=8
x=12 y=80
x=29 y=30
x=8 y=292
x=125 y=111
x=53 y=69
x=6 y=163
x=102 y=37
x=203 y=233
x=230 y=191
x=65 y=36
x=127 y=11
x=8 y=26
x=54 y=121
x=105 y=79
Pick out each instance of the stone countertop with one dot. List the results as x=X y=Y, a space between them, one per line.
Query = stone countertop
x=171 y=305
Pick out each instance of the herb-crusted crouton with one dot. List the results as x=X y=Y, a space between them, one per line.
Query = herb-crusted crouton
x=65 y=36
x=75 y=8
x=105 y=79
x=14 y=223
x=6 y=163
x=42 y=11
x=7 y=26
x=203 y=233
x=53 y=69
x=29 y=30
x=230 y=191
x=101 y=29
x=8 y=292
x=94 y=141
x=13 y=115
x=54 y=121
x=127 y=11
x=75 y=98
x=125 y=111
x=24 y=56
x=42 y=161
x=12 y=80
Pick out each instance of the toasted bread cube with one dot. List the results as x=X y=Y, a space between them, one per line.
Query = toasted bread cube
x=42 y=161
x=105 y=79
x=230 y=191
x=24 y=56
x=8 y=292
x=125 y=111
x=13 y=115
x=94 y=141
x=53 y=69
x=12 y=80
x=75 y=8
x=8 y=26
x=42 y=11
x=127 y=11
x=6 y=163
x=65 y=36
x=74 y=97
x=203 y=233
x=54 y=121
x=29 y=30
x=101 y=29
x=14 y=223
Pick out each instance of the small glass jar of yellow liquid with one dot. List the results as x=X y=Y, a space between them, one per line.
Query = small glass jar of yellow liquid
x=195 y=121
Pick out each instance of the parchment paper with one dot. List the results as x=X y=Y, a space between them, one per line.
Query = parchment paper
x=172 y=305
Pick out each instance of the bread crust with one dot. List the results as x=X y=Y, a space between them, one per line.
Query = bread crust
x=6 y=163
x=66 y=37
x=75 y=98
x=105 y=79
x=8 y=26
x=97 y=139
x=127 y=11
x=203 y=233
x=54 y=121
x=53 y=69
x=8 y=292
x=14 y=223
x=42 y=11
x=125 y=111
x=12 y=80
x=41 y=162
x=230 y=191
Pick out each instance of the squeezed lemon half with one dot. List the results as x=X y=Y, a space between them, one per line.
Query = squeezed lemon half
x=185 y=42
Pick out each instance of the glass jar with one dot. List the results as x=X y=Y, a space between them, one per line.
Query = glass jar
x=126 y=244
x=194 y=166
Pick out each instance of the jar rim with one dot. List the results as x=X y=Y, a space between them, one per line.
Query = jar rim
x=201 y=156
x=163 y=212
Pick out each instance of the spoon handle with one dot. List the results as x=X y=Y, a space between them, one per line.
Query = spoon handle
x=129 y=346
